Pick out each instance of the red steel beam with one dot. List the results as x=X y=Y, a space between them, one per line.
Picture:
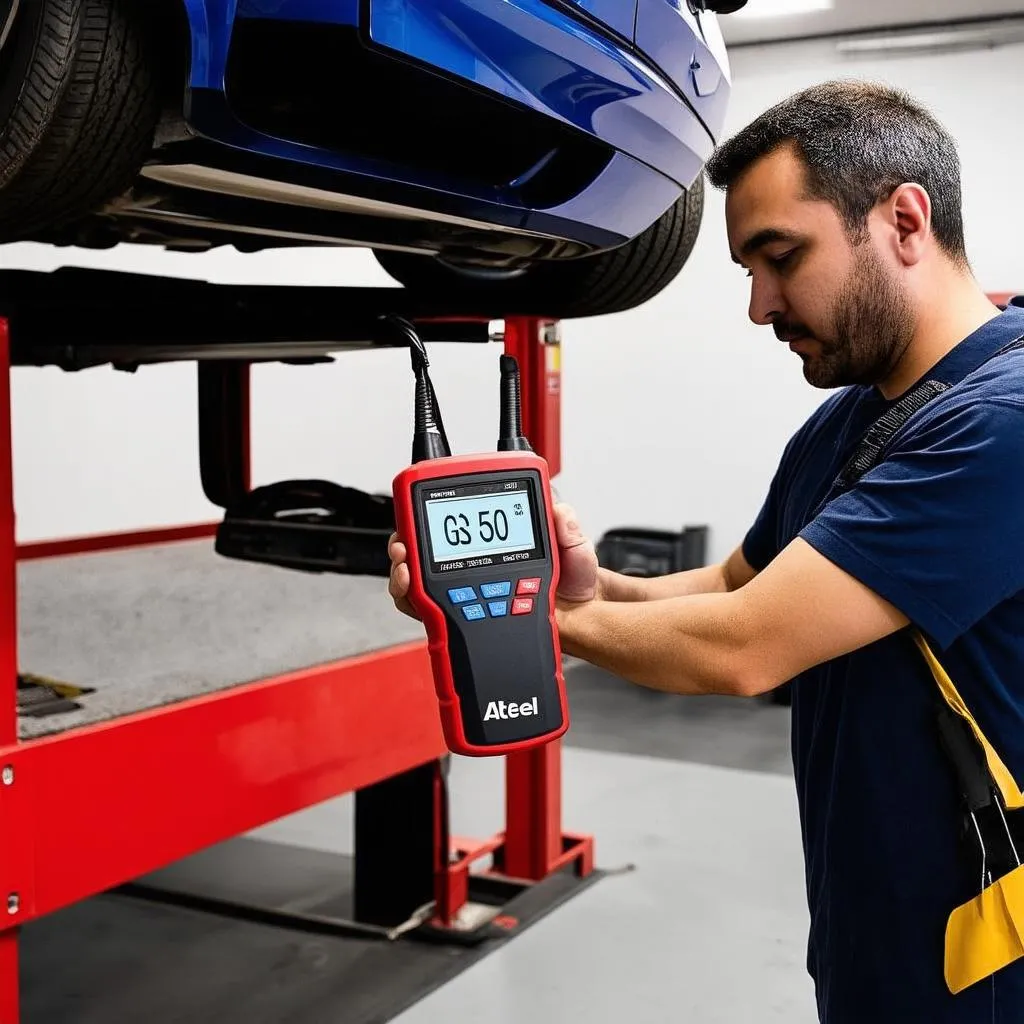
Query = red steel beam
x=132 y=795
x=8 y=569
x=15 y=831
x=32 y=550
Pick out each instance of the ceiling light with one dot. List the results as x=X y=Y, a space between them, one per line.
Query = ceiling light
x=758 y=9
x=940 y=40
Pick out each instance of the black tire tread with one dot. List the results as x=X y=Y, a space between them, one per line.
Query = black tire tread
x=635 y=273
x=39 y=93
x=84 y=119
x=611 y=282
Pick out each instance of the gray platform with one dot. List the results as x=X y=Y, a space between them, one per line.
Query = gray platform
x=154 y=625
x=151 y=626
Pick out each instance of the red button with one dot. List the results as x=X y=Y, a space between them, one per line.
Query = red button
x=528 y=587
x=522 y=606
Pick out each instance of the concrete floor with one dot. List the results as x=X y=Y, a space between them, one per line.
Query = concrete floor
x=707 y=921
x=692 y=798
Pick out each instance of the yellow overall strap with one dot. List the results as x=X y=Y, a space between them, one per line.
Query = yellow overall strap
x=985 y=934
x=1011 y=794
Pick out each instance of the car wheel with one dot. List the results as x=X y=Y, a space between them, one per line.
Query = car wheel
x=609 y=282
x=78 y=107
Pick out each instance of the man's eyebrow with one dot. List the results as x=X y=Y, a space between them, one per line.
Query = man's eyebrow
x=762 y=238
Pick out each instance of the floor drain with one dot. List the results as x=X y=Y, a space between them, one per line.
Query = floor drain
x=39 y=696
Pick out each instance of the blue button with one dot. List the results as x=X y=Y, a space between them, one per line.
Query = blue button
x=495 y=590
x=497 y=608
x=461 y=595
x=474 y=611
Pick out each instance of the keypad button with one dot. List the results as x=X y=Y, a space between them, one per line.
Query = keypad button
x=522 y=606
x=489 y=590
x=528 y=587
x=474 y=612
x=460 y=595
x=497 y=608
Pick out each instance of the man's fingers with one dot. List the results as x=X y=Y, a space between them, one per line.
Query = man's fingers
x=398 y=588
x=399 y=579
x=398 y=584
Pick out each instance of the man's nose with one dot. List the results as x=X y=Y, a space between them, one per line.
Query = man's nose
x=766 y=304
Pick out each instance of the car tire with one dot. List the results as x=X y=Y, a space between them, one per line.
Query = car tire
x=79 y=103
x=609 y=282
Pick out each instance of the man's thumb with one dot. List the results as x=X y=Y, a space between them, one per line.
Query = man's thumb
x=578 y=561
x=567 y=527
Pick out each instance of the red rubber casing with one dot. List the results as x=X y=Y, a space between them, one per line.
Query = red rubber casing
x=433 y=616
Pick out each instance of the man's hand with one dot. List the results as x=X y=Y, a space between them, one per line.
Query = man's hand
x=398 y=583
x=577 y=559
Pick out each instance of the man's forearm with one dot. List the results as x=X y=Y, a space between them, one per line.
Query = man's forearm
x=801 y=610
x=688 y=645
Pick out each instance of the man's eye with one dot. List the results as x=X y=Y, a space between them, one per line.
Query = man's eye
x=781 y=261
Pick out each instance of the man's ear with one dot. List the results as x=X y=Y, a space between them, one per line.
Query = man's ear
x=909 y=212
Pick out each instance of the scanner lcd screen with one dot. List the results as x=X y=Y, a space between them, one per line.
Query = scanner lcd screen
x=481 y=524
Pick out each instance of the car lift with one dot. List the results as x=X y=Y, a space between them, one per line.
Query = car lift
x=191 y=782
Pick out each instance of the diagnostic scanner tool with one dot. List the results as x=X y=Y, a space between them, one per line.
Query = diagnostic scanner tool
x=479 y=533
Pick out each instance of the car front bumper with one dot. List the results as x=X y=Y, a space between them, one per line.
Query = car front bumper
x=529 y=53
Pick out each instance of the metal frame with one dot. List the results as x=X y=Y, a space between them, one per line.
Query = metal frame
x=152 y=787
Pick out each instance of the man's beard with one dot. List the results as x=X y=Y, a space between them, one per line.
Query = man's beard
x=872 y=325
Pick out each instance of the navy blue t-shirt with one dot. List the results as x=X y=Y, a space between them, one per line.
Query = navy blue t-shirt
x=937 y=528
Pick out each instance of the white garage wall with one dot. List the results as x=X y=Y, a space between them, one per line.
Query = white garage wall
x=674 y=413
x=684 y=400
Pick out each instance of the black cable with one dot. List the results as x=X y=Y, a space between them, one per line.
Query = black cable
x=430 y=441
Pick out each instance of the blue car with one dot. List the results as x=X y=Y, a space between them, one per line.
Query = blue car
x=540 y=156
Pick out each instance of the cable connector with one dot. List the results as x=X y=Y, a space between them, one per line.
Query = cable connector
x=510 y=426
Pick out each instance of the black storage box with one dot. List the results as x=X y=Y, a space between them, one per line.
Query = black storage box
x=636 y=551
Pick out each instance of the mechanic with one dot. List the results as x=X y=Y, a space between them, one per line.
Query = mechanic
x=843 y=205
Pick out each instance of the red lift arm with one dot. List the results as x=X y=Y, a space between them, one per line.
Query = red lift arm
x=98 y=806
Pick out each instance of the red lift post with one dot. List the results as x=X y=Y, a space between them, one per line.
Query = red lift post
x=535 y=844
x=158 y=785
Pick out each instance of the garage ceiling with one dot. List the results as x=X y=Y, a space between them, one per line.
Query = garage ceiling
x=853 y=15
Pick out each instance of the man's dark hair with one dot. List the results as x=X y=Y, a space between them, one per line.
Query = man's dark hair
x=859 y=142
